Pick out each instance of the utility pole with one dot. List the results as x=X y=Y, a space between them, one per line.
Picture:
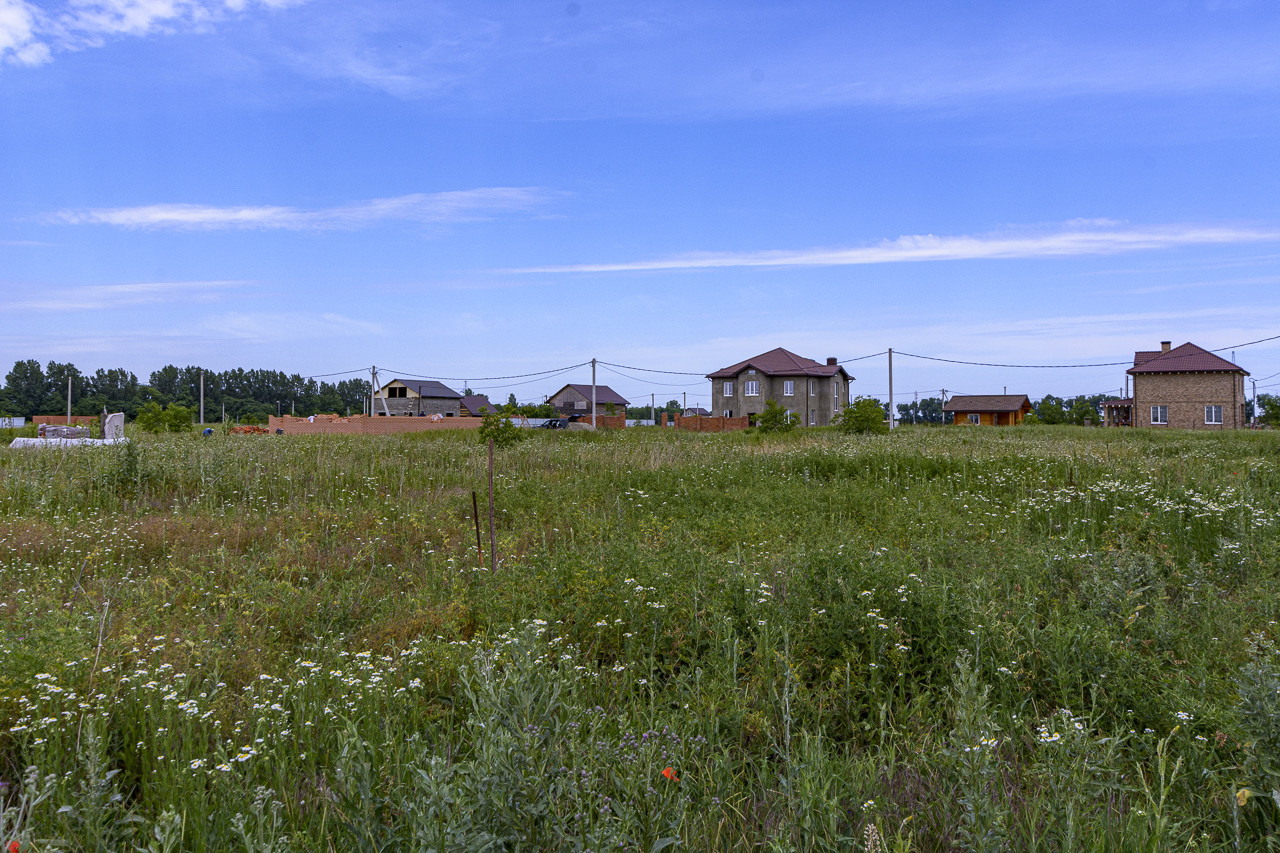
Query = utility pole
x=224 y=411
x=915 y=407
x=652 y=412
x=293 y=407
x=202 y=396
x=890 y=387
x=68 y=401
x=1254 y=421
x=593 y=393
x=684 y=402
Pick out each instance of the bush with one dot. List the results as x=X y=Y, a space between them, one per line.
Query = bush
x=172 y=418
x=864 y=416
x=498 y=426
x=775 y=418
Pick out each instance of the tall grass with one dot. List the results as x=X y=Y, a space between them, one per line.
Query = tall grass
x=1032 y=639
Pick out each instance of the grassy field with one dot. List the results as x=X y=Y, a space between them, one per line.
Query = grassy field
x=943 y=639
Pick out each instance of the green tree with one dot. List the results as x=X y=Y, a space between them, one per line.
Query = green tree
x=1049 y=410
x=172 y=418
x=864 y=415
x=775 y=418
x=1269 y=404
x=25 y=385
x=497 y=426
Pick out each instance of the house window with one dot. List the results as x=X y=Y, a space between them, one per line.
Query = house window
x=728 y=413
x=728 y=390
x=813 y=416
x=580 y=404
x=751 y=372
x=788 y=387
x=751 y=388
x=975 y=419
x=813 y=387
x=791 y=416
x=1213 y=414
x=1159 y=414
x=398 y=392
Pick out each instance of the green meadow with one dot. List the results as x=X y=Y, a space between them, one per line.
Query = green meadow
x=1031 y=639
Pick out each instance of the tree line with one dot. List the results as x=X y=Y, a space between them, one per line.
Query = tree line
x=248 y=395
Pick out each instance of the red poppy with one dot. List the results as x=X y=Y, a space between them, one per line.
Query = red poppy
x=671 y=774
x=13 y=847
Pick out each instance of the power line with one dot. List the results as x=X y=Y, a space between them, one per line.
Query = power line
x=862 y=357
x=993 y=364
x=486 y=378
x=652 y=370
x=339 y=373
x=649 y=381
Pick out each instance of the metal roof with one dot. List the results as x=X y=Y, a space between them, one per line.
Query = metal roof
x=780 y=362
x=604 y=394
x=1187 y=358
x=987 y=403
x=425 y=388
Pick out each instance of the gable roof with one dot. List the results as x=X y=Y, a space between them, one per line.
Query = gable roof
x=780 y=362
x=473 y=403
x=604 y=394
x=987 y=403
x=1187 y=358
x=425 y=388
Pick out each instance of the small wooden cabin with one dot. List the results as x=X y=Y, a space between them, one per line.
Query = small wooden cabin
x=988 y=409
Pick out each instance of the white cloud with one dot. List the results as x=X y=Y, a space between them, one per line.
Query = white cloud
x=928 y=247
x=286 y=326
x=30 y=34
x=445 y=207
x=102 y=297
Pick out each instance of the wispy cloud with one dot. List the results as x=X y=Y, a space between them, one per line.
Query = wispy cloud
x=444 y=207
x=285 y=326
x=31 y=34
x=103 y=297
x=1064 y=242
x=1194 y=285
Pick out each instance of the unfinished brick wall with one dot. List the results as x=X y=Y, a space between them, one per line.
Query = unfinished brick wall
x=365 y=425
x=61 y=420
x=705 y=424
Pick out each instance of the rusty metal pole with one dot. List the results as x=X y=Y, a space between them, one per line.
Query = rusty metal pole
x=493 y=536
x=475 y=516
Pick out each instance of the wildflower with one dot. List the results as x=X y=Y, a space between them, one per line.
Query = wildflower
x=13 y=847
x=671 y=774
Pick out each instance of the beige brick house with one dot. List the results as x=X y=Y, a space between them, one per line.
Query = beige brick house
x=1186 y=387
x=814 y=393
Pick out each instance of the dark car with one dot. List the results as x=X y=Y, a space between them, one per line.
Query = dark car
x=561 y=423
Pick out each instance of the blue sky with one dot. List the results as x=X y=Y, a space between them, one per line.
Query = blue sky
x=485 y=189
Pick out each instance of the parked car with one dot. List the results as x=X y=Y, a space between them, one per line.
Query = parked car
x=561 y=423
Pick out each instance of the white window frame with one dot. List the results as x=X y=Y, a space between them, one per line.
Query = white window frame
x=728 y=413
x=788 y=387
x=1209 y=412
x=975 y=419
x=813 y=387
x=728 y=389
x=751 y=388
x=1159 y=415
x=813 y=417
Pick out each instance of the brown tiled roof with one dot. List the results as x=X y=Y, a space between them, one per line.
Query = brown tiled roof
x=780 y=362
x=1144 y=355
x=1187 y=358
x=473 y=403
x=1127 y=401
x=987 y=403
x=604 y=394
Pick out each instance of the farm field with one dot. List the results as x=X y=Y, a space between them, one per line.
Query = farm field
x=1032 y=639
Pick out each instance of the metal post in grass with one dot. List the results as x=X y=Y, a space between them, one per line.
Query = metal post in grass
x=475 y=516
x=493 y=536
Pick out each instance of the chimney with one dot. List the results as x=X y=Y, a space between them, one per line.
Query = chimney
x=831 y=361
x=1164 y=346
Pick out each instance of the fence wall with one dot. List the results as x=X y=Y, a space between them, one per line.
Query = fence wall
x=365 y=425
x=706 y=424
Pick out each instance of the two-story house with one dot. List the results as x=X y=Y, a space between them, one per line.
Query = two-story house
x=812 y=392
x=1186 y=387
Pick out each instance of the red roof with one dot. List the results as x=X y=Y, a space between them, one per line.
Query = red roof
x=1187 y=358
x=987 y=403
x=780 y=362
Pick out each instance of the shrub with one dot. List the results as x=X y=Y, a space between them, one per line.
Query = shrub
x=173 y=418
x=498 y=426
x=775 y=418
x=863 y=416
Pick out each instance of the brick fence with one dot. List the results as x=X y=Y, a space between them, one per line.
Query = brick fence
x=365 y=425
x=61 y=420
x=707 y=424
